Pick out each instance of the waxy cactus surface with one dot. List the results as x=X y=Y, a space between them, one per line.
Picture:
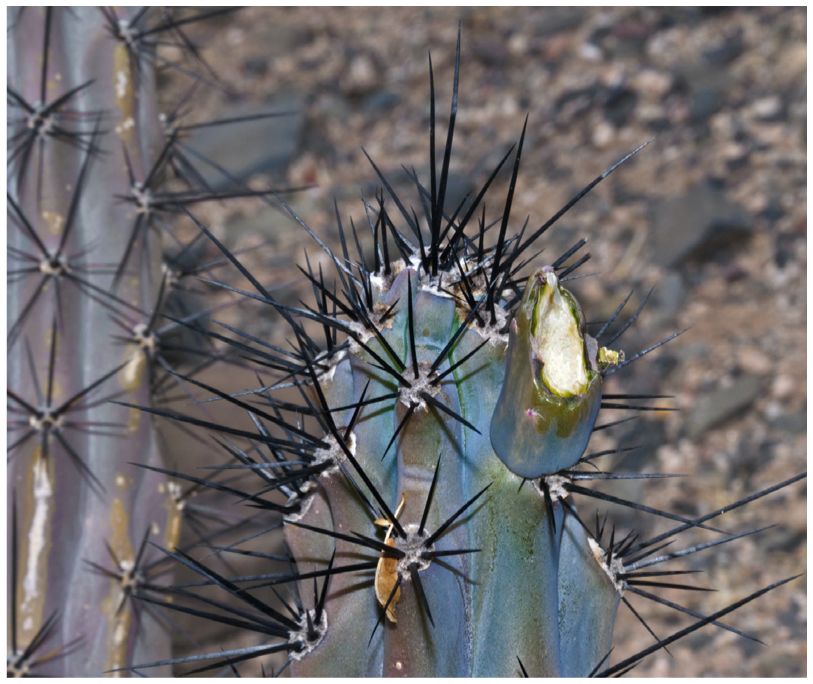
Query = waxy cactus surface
x=89 y=162
x=466 y=611
x=83 y=124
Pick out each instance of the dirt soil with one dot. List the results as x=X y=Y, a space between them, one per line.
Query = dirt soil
x=712 y=214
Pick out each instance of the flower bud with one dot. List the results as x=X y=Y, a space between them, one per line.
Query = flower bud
x=552 y=389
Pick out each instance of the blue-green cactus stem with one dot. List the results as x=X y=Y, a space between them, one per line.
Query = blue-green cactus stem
x=487 y=607
x=588 y=601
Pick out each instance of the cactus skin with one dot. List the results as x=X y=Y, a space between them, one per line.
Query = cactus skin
x=67 y=516
x=512 y=583
x=483 y=633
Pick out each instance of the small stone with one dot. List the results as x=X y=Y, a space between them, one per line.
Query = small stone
x=619 y=105
x=590 y=52
x=555 y=47
x=518 y=44
x=653 y=83
x=767 y=108
x=783 y=386
x=704 y=103
x=381 y=100
x=772 y=212
x=695 y=224
x=603 y=134
x=754 y=361
x=726 y=52
x=361 y=77
x=721 y=405
x=790 y=423
x=575 y=102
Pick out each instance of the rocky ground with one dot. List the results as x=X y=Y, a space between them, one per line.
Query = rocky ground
x=712 y=214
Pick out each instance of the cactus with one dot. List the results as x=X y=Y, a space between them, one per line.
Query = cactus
x=421 y=447
x=88 y=160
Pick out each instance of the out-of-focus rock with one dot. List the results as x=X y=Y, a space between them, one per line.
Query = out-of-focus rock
x=696 y=223
x=260 y=146
x=722 y=404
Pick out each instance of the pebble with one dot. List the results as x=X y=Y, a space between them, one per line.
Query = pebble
x=754 y=361
x=603 y=134
x=590 y=52
x=619 y=104
x=696 y=223
x=654 y=84
x=767 y=107
x=361 y=76
x=726 y=52
x=783 y=386
x=518 y=43
x=722 y=404
x=790 y=423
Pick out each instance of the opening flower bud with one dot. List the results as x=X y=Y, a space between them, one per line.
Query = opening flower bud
x=552 y=389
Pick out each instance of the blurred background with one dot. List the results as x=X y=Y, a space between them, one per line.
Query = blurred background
x=712 y=214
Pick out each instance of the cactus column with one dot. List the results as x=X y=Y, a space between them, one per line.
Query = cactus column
x=79 y=101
